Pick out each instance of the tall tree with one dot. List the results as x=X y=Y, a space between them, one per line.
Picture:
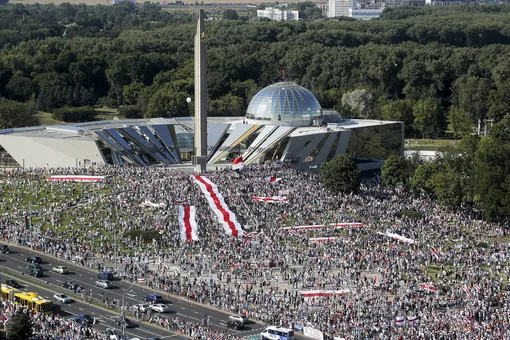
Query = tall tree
x=427 y=118
x=19 y=326
x=395 y=170
x=341 y=175
x=361 y=102
x=399 y=110
x=460 y=122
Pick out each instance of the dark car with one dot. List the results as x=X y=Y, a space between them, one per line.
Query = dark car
x=34 y=266
x=86 y=319
x=153 y=298
x=70 y=285
x=105 y=276
x=124 y=322
x=13 y=283
x=35 y=273
x=33 y=259
x=4 y=249
x=232 y=324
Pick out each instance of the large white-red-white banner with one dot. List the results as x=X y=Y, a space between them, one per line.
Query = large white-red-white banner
x=397 y=237
x=321 y=239
x=323 y=293
x=324 y=226
x=274 y=199
x=226 y=217
x=188 y=223
x=75 y=178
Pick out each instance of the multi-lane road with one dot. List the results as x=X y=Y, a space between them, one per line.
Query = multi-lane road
x=51 y=283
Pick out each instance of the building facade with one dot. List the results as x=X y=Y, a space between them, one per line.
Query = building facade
x=278 y=14
x=284 y=122
x=341 y=8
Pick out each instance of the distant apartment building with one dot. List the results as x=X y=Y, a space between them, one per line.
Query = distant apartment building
x=341 y=8
x=278 y=14
x=444 y=3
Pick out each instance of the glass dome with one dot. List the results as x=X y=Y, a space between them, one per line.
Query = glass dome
x=284 y=103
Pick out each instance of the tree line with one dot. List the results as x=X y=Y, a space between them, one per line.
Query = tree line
x=428 y=67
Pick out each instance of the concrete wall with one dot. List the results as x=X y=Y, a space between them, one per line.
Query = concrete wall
x=51 y=152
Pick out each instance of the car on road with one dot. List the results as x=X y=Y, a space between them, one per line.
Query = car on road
x=34 y=259
x=104 y=284
x=4 y=249
x=60 y=269
x=232 y=324
x=153 y=298
x=160 y=308
x=142 y=307
x=112 y=334
x=35 y=273
x=12 y=283
x=33 y=266
x=62 y=298
x=239 y=318
x=105 y=276
x=70 y=285
x=82 y=319
x=124 y=322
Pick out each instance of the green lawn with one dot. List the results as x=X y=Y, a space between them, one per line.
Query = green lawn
x=428 y=144
x=45 y=119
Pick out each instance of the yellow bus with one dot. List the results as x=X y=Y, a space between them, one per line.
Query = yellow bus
x=8 y=292
x=34 y=302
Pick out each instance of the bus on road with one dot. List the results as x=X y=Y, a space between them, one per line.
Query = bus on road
x=277 y=333
x=34 y=302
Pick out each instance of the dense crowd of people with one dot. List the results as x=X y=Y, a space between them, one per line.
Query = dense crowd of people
x=449 y=283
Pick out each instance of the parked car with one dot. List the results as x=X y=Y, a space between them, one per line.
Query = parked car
x=4 y=249
x=105 y=276
x=104 y=284
x=124 y=322
x=232 y=324
x=12 y=283
x=35 y=273
x=60 y=269
x=153 y=298
x=70 y=285
x=33 y=266
x=62 y=298
x=160 y=308
x=239 y=318
x=142 y=307
x=33 y=259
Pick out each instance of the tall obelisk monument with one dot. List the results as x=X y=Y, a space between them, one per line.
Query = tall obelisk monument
x=200 y=154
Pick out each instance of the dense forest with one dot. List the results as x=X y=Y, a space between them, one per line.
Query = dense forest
x=426 y=66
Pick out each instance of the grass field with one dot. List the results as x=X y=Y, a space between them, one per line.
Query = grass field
x=103 y=114
x=428 y=144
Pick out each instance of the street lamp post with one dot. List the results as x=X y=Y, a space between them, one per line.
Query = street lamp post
x=123 y=315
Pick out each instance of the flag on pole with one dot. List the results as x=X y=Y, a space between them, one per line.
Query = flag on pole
x=238 y=164
x=465 y=288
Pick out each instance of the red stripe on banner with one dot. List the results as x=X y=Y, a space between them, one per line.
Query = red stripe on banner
x=187 y=224
x=226 y=215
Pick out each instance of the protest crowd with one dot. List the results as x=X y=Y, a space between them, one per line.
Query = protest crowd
x=444 y=276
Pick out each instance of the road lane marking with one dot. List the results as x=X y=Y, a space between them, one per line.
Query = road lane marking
x=20 y=267
x=80 y=308
x=59 y=281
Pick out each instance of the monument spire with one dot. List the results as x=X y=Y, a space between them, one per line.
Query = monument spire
x=200 y=140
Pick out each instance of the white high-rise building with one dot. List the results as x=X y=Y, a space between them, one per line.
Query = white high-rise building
x=341 y=8
x=279 y=14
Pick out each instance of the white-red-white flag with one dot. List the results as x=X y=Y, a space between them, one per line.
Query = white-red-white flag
x=434 y=252
x=188 y=223
x=271 y=179
x=274 y=199
x=465 y=288
x=238 y=164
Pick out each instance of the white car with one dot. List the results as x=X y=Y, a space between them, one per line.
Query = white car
x=160 y=308
x=239 y=318
x=104 y=284
x=60 y=269
x=142 y=307
x=112 y=334
x=62 y=298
